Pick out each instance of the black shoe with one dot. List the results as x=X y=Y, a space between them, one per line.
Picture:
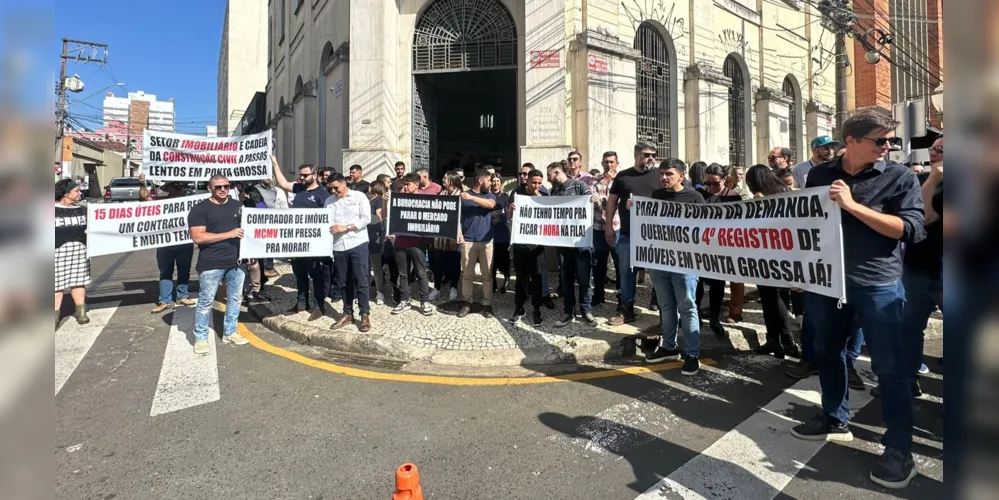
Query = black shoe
x=802 y=370
x=258 y=297
x=791 y=348
x=662 y=354
x=690 y=366
x=819 y=429
x=518 y=313
x=854 y=381
x=717 y=328
x=465 y=309
x=770 y=348
x=548 y=302
x=894 y=470
x=589 y=319
x=502 y=289
x=487 y=311
x=563 y=320
x=537 y=320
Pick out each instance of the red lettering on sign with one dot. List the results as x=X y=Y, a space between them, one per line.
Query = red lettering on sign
x=261 y=233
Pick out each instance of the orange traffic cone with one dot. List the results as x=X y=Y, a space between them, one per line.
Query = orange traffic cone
x=407 y=483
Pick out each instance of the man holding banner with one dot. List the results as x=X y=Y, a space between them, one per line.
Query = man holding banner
x=167 y=257
x=528 y=259
x=351 y=216
x=409 y=252
x=576 y=261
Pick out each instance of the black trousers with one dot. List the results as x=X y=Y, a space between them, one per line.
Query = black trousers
x=716 y=293
x=404 y=258
x=528 y=263
x=795 y=301
x=382 y=284
x=501 y=261
x=351 y=268
x=774 y=315
x=305 y=268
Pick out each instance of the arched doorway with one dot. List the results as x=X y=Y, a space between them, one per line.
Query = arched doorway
x=739 y=110
x=793 y=93
x=464 y=84
x=656 y=92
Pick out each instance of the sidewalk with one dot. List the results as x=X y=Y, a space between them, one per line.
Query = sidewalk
x=475 y=341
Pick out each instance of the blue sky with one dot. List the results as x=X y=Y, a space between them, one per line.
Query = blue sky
x=167 y=48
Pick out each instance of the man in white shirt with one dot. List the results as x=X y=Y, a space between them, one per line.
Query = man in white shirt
x=351 y=216
x=823 y=150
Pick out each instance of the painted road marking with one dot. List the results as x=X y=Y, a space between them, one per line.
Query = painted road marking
x=755 y=460
x=463 y=381
x=186 y=379
x=73 y=341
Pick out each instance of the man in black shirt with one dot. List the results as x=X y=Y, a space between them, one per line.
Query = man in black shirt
x=676 y=291
x=528 y=260
x=577 y=263
x=357 y=182
x=215 y=228
x=881 y=206
x=308 y=194
x=641 y=180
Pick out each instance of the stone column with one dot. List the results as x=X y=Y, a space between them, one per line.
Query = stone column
x=603 y=95
x=545 y=111
x=819 y=120
x=706 y=113
x=772 y=122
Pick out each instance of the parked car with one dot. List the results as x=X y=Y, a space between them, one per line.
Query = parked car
x=126 y=189
x=191 y=188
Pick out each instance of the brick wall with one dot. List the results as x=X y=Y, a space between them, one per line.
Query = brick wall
x=934 y=10
x=873 y=81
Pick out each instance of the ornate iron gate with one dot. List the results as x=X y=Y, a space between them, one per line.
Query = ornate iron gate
x=652 y=89
x=424 y=125
x=792 y=120
x=464 y=34
x=736 y=113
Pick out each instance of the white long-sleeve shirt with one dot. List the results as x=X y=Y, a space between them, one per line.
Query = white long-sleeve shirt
x=351 y=209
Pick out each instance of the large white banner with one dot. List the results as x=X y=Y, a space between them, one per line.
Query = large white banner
x=181 y=157
x=138 y=225
x=789 y=240
x=299 y=232
x=555 y=221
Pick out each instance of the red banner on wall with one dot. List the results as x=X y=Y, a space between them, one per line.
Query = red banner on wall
x=544 y=58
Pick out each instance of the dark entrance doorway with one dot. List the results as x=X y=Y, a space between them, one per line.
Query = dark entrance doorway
x=465 y=85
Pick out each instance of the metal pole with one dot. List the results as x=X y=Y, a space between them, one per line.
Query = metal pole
x=61 y=111
x=125 y=167
x=841 y=63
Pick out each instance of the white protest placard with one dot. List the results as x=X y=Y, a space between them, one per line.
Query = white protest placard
x=182 y=157
x=299 y=232
x=138 y=225
x=555 y=221
x=790 y=240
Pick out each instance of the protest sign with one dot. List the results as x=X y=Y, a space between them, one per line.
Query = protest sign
x=181 y=157
x=138 y=225
x=272 y=232
x=789 y=240
x=555 y=221
x=424 y=216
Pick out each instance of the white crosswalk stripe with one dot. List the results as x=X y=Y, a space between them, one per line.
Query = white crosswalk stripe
x=186 y=379
x=73 y=341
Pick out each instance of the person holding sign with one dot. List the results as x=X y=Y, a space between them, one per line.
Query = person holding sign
x=215 y=228
x=676 y=291
x=476 y=240
x=168 y=257
x=881 y=206
x=308 y=194
x=72 y=267
x=351 y=216
x=528 y=260
x=409 y=252
x=576 y=262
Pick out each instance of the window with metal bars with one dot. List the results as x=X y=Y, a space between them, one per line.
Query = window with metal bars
x=793 y=120
x=736 y=113
x=464 y=34
x=652 y=72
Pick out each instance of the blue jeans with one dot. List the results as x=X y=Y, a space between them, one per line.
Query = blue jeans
x=166 y=258
x=352 y=271
x=601 y=250
x=922 y=295
x=878 y=309
x=626 y=277
x=675 y=293
x=576 y=266
x=208 y=284
x=853 y=344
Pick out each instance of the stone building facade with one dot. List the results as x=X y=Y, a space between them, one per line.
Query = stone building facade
x=376 y=81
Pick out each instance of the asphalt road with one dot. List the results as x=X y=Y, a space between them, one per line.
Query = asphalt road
x=136 y=418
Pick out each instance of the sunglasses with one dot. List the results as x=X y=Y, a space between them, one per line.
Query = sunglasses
x=772 y=158
x=881 y=141
x=937 y=149
x=712 y=183
x=304 y=176
x=573 y=159
x=649 y=155
x=220 y=187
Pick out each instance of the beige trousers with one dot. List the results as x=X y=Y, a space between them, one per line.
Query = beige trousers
x=473 y=252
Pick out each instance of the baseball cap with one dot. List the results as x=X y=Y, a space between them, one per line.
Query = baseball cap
x=824 y=140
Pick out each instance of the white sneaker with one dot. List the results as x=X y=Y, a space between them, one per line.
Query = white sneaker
x=235 y=339
x=434 y=295
x=380 y=299
x=426 y=309
x=202 y=347
x=454 y=294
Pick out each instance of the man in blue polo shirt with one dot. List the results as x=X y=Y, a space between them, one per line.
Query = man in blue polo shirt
x=881 y=207
x=476 y=240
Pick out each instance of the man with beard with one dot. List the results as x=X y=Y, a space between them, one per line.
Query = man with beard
x=823 y=150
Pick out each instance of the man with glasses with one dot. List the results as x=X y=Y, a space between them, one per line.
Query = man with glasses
x=601 y=248
x=576 y=262
x=351 y=216
x=641 y=180
x=823 y=150
x=575 y=170
x=215 y=229
x=779 y=158
x=308 y=194
x=881 y=207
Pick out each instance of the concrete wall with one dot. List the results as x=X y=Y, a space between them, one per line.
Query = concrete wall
x=242 y=59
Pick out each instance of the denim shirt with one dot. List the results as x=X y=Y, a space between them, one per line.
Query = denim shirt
x=871 y=258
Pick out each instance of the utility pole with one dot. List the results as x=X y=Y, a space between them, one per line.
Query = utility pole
x=77 y=54
x=842 y=61
x=839 y=18
x=125 y=165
